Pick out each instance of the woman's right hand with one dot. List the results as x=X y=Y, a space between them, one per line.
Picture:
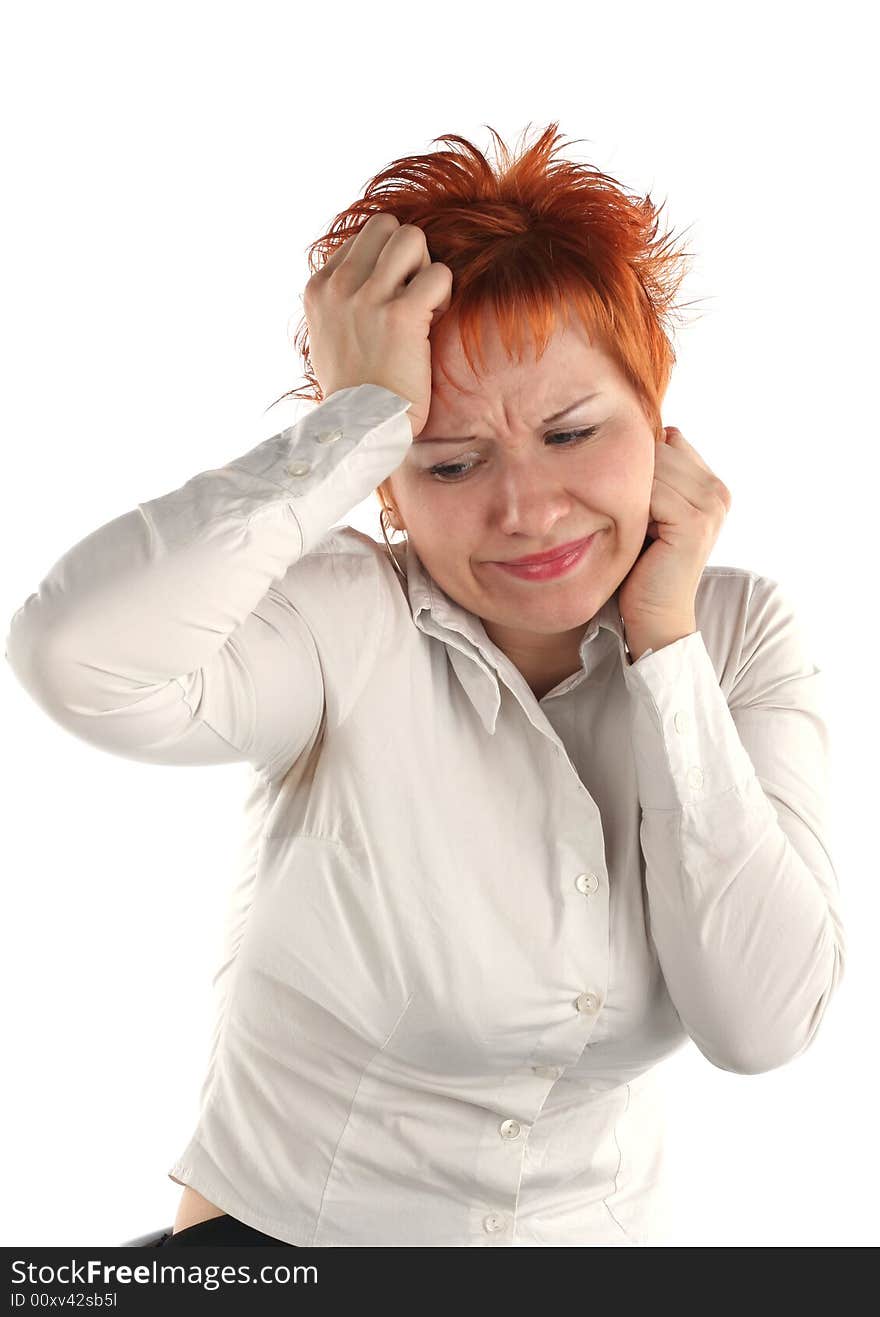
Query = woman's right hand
x=370 y=309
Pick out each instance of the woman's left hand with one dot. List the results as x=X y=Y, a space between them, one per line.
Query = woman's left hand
x=688 y=507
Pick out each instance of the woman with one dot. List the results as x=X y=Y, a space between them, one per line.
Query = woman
x=520 y=831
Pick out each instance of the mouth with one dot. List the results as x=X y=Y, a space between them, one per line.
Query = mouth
x=555 y=563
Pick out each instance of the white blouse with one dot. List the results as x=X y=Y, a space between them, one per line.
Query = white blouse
x=470 y=923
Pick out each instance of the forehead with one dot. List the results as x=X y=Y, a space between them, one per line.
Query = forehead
x=570 y=366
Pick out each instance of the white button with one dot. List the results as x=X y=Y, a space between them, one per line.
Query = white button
x=682 y=721
x=494 y=1221
x=587 y=1001
x=695 y=777
x=509 y=1129
x=328 y=436
x=298 y=468
x=586 y=882
x=548 y=1071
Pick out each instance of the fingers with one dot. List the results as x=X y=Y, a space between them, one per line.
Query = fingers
x=338 y=256
x=431 y=288
x=395 y=259
x=360 y=250
x=404 y=255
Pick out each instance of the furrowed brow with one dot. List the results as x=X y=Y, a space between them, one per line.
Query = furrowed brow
x=548 y=420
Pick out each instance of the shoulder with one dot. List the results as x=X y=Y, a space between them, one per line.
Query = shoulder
x=344 y=582
x=739 y=590
x=344 y=590
x=740 y=611
x=345 y=559
x=723 y=597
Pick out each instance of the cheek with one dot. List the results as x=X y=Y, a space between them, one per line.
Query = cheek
x=431 y=512
x=618 y=486
x=441 y=529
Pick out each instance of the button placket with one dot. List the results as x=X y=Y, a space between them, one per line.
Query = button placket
x=587 y=1004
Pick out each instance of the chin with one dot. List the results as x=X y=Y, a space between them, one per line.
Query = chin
x=549 y=617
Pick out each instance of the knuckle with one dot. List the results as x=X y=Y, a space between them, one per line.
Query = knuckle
x=342 y=282
x=362 y=287
x=412 y=230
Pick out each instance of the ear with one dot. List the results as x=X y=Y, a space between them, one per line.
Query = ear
x=393 y=516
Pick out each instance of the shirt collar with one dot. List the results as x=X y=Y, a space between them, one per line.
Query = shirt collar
x=477 y=661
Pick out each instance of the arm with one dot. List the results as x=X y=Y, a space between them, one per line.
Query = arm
x=742 y=894
x=161 y=637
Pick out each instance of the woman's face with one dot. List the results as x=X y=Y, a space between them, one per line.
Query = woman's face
x=489 y=479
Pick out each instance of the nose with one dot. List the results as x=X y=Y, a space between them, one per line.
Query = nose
x=530 y=507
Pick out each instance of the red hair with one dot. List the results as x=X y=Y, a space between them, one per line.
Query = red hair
x=524 y=239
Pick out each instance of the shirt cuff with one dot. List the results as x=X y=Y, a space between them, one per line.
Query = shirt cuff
x=685 y=742
x=323 y=463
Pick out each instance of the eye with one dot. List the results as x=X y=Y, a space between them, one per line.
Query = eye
x=447 y=471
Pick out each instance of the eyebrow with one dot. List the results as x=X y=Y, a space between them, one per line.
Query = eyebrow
x=548 y=420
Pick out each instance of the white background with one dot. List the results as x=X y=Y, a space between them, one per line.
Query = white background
x=165 y=168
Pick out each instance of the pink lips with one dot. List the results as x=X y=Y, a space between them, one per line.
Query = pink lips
x=560 y=560
x=548 y=556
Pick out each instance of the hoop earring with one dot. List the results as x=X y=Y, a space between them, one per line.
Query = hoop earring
x=396 y=565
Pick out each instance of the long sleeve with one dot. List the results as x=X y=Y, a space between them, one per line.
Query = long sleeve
x=743 y=899
x=163 y=636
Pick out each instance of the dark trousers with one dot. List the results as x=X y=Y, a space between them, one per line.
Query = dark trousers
x=223 y=1229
